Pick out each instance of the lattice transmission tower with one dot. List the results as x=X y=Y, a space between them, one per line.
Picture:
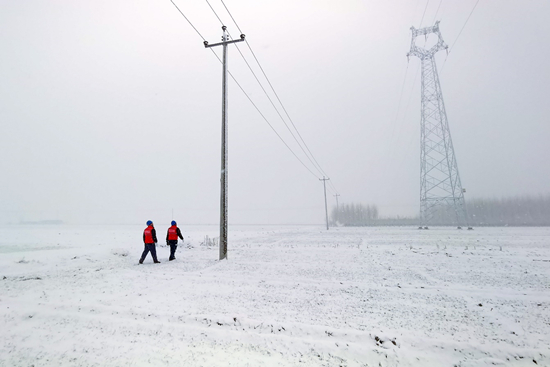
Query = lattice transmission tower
x=441 y=191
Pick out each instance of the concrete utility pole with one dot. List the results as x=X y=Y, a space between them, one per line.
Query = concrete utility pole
x=325 y=187
x=337 y=207
x=336 y=196
x=223 y=181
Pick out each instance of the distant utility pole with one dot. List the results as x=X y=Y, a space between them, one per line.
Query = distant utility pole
x=325 y=187
x=223 y=199
x=337 y=208
x=336 y=196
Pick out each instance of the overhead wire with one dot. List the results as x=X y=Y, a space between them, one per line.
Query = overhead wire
x=188 y=21
x=265 y=119
x=414 y=13
x=310 y=157
x=246 y=94
x=425 y=8
x=216 y=14
x=316 y=164
x=273 y=104
x=464 y=26
x=399 y=102
x=391 y=145
x=459 y=33
x=437 y=11
x=271 y=126
x=263 y=89
x=274 y=92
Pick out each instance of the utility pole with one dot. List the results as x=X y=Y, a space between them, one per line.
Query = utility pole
x=336 y=196
x=337 y=208
x=325 y=187
x=223 y=181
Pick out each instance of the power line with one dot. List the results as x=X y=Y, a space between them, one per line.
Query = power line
x=437 y=11
x=412 y=90
x=316 y=164
x=399 y=103
x=402 y=120
x=228 y=12
x=244 y=92
x=390 y=146
x=408 y=100
x=265 y=119
x=261 y=86
x=414 y=13
x=188 y=21
x=459 y=33
x=216 y=14
x=286 y=112
x=275 y=131
x=421 y=20
x=276 y=109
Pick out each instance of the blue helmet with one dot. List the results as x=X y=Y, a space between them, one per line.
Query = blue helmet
x=173 y=223
x=149 y=222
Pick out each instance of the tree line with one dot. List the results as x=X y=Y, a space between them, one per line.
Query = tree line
x=511 y=211
x=354 y=215
x=508 y=211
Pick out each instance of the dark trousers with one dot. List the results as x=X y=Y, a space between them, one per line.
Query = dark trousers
x=149 y=247
x=173 y=246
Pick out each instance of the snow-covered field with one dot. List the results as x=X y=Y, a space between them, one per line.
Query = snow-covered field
x=287 y=296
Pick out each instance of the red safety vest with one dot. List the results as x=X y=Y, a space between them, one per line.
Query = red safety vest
x=149 y=235
x=173 y=233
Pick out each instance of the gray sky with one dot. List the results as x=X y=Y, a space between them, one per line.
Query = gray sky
x=111 y=110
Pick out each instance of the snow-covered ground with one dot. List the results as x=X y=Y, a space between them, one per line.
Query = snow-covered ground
x=287 y=296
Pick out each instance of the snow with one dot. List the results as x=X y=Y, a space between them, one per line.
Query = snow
x=287 y=296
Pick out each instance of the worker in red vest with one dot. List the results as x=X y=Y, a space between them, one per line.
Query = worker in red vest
x=150 y=240
x=172 y=239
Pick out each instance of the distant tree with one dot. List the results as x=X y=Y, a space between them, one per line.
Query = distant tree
x=508 y=211
x=354 y=215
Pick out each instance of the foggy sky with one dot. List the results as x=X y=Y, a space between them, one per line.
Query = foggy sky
x=111 y=110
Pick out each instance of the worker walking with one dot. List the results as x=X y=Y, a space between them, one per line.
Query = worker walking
x=150 y=240
x=172 y=239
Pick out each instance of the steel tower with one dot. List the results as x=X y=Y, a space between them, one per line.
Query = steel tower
x=440 y=187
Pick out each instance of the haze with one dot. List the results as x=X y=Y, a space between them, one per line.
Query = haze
x=111 y=110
